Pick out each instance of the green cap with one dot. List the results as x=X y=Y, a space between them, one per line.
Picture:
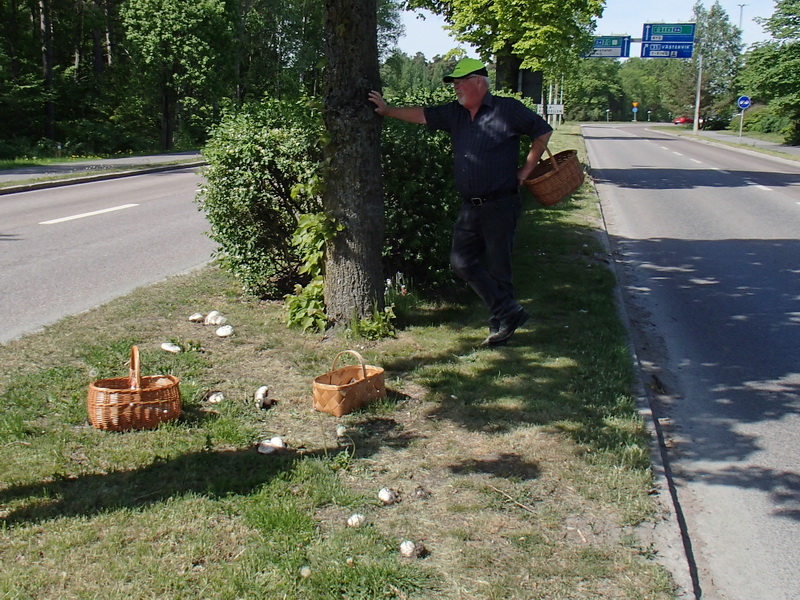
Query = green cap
x=466 y=66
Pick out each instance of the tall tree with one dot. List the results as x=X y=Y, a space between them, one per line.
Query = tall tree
x=180 y=47
x=353 y=196
x=720 y=44
x=594 y=88
x=771 y=69
x=540 y=36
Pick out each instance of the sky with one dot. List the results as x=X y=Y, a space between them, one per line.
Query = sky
x=620 y=17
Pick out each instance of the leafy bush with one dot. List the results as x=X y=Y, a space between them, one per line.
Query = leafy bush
x=263 y=173
x=762 y=119
x=306 y=307
x=265 y=165
x=420 y=197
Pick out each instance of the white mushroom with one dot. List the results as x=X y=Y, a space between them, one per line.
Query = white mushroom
x=225 y=331
x=196 y=317
x=219 y=320
x=264 y=447
x=210 y=317
x=341 y=431
x=305 y=571
x=215 y=397
x=408 y=549
x=161 y=382
x=260 y=397
x=170 y=347
x=356 y=520
x=388 y=495
x=277 y=442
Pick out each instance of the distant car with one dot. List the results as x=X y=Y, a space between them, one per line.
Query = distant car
x=683 y=120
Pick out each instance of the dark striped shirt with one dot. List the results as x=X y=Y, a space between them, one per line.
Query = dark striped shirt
x=486 y=150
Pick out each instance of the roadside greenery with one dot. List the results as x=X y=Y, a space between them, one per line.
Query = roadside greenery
x=523 y=469
x=265 y=171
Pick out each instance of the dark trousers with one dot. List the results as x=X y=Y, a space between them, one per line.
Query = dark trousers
x=483 y=238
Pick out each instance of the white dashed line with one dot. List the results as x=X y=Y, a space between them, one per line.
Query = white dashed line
x=89 y=214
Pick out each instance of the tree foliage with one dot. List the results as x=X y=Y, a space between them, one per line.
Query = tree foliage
x=106 y=76
x=181 y=47
x=720 y=44
x=770 y=73
x=264 y=172
x=543 y=35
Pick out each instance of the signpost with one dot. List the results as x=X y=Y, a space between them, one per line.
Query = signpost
x=744 y=103
x=668 y=40
x=635 y=109
x=611 y=46
x=667 y=50
x=668 y=32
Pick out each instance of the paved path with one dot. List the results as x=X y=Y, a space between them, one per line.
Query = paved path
x=755 y=143
x=98 y=167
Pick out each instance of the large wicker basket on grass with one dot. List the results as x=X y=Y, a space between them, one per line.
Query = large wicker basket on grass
x=554 y=179
x=133 y=402
x=340 y=391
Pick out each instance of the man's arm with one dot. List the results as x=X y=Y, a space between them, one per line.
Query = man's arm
x=538 y=145
x=411 y=114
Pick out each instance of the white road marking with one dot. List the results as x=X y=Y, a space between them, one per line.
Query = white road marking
x=694 y=160
x=89 y=214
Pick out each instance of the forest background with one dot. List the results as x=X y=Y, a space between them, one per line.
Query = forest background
x=116 y=76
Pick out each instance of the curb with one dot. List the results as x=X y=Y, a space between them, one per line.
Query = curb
x=52 y=183
x=786 y=157
x=671 y=537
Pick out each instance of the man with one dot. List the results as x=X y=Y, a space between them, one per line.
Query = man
x=485 y=132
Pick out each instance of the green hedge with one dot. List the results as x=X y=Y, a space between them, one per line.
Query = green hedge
x=264 y=171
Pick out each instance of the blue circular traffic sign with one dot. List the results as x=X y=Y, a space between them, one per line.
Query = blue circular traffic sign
x=743 y=102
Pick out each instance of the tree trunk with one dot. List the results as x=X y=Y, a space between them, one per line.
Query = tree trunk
x=353 y=193
x=46 y=32
x=168 y=103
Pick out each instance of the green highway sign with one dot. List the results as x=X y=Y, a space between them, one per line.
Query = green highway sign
x=611 y=46
x=659 y=50
x=668 y=32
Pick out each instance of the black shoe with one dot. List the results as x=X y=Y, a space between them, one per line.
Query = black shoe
x=494 y=327
x=507 y=328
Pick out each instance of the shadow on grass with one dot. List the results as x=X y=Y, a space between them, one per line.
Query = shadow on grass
x=212 y=473
x=554 y=371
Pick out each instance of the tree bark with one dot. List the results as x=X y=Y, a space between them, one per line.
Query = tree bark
x=353 y=194
x=46 y=32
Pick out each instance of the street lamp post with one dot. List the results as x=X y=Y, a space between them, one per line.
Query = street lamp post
x=608 y=115
x=741 y=10
x=648 y=116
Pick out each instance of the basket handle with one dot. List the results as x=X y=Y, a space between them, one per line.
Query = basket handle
x=354 y=353
x=136 y=370
x=552 y=159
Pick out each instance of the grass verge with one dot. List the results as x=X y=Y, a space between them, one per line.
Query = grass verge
x=523 y=469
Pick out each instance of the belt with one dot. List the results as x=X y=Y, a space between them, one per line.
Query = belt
x=479 y=200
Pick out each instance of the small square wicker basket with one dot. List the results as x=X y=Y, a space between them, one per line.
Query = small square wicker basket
x=341 y=391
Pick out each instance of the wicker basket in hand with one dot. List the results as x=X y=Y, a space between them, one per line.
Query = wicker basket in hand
x=343 y=390
x=133 y=402
x=554 y=179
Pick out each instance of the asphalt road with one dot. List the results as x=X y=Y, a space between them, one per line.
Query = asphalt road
x=68 y=249
x=707 y=246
